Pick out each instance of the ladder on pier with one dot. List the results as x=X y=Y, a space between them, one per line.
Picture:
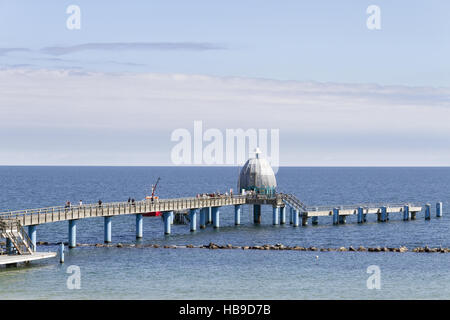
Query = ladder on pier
x=293 y=202
x=13 y=231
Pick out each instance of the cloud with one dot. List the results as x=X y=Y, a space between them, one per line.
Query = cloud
x=320 y=123
x=5 y=51
x=139 y=46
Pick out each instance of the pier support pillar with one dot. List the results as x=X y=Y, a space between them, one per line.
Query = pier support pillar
x=32 y=235
x=405 y=213
x=72 y=233
x=304 y=219
x=360 y=215
x=342 y=219
x=439 y=209
x=257 y=213
x=171 y=217
x=427 y=211
x=9 y=246
x=296 y=218
x=216 y=217
x=193 y=219
x=383 y=217
x=167 y=218
x=202 y=218
x=291 y=215
x=108 y=229
x=139 y=226
x=283 y=215
x=61 y=253
x=336 y=216
x=413 y=215
x=209 y=215
x=276 y=216
x=237 y=214
x=315 y=221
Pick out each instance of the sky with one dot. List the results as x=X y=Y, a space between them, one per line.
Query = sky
x=114 y=91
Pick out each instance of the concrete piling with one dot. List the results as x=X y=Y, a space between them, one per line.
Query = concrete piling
x=216 y=217
x=304 y=219
x=139 y=226
x=383 y=217
x=209 y=215
x=291 y=215
x=61 y=253
x=167 y=221
x=315 y=221
x=9 y=246
x=342 y=219
x=283 y=215
x=336 y=216
x=427 y=211
x=72 y=233
x=32 y=235
x=237 y=214
x=360 y=215
x=202 y=218
x=296 y=218
x=406 y=213
x=257 y=213
x=439 y=209
x=275 y=215
x=193 y=219
x=108 y=229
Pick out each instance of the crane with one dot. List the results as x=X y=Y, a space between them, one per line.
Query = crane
x=154 y=187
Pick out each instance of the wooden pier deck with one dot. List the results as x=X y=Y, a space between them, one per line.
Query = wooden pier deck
x=14 y=258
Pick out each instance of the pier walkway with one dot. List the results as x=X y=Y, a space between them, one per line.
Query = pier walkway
x=19 y=242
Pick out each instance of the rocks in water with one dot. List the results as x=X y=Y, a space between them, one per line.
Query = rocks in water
x=277 y=246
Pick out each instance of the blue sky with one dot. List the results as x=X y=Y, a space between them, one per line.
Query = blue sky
x=318 y=73
x=289 y=40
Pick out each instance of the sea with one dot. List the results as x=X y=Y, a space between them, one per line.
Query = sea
x=167 y=274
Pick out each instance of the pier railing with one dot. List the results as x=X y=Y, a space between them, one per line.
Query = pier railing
x=59 y=213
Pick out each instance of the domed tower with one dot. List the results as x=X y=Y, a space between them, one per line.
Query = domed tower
x=257 y=175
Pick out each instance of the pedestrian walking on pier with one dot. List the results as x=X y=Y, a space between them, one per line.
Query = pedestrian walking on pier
x=100 y=203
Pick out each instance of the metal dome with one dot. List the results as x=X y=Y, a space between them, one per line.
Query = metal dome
x=257 y=175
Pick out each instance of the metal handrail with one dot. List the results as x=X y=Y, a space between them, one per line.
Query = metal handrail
x=27 y=212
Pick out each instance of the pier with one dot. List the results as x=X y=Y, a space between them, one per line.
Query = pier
x=256 y=183
x=280 y=203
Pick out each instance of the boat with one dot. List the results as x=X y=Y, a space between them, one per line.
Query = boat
x=151 y=199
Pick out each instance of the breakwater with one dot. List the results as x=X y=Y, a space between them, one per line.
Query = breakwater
x=279 y=246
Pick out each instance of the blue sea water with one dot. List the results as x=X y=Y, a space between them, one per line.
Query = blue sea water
x=148 y=273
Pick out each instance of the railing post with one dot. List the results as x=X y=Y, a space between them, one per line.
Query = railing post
x=406 y=213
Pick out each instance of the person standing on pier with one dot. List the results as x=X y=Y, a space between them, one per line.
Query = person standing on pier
x=100 y=203
x=81 y=203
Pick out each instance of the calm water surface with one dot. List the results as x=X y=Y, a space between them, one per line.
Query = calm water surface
x=146 y=273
